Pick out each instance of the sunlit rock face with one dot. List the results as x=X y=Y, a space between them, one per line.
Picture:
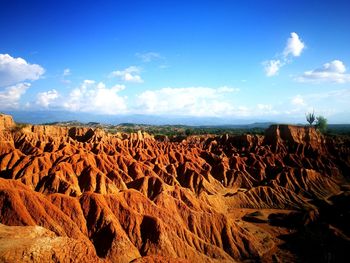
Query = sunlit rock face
x=125 y=197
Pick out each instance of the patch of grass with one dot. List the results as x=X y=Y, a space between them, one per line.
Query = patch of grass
x=19 y=126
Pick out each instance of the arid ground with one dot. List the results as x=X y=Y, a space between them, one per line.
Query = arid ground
x=85 y=195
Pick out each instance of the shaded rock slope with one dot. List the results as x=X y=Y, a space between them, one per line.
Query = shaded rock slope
x=83 y=195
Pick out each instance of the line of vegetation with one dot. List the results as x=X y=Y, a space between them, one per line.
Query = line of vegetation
x=321 y=122
x=178 y=130
x=184 y=130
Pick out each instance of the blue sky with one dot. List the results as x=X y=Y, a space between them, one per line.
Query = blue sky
x=261 y=60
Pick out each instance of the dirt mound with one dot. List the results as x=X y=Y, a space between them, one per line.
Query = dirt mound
x=128 y=197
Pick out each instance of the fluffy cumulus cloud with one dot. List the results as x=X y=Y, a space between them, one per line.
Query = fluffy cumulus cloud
x=10 y=96
x=293 y=48
x=191 y=101
x=96 y=98
x=16 y=70
x=44 y=99
x=130 y=74
x=148 y=56
x=14 y=74
x=334 y=71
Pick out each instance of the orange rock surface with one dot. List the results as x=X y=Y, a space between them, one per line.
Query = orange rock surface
x=83 y=195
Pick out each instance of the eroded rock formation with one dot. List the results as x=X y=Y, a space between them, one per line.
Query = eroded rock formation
x=84 y=195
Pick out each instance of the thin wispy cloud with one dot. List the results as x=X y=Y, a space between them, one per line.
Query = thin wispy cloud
x=148 y=56
x=272 y=67
x=298 y=100
x=324 y=102
x=130 y=74
x=66 y=72
x=264 y=107
x=338 y=95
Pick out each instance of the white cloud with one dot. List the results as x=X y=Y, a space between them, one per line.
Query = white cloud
x=130 y=74
x=294 y=46
x=327 y=103
x=44 y=99
x=191 y=101
x=298 y=100
x=15 y=70
x=272 y=67
x=10 y=96
x=334 y=71
x=66 y=72
x=335 y=66
x=148 y=56
x=97 y=98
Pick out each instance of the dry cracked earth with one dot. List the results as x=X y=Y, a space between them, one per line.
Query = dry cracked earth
x=83 y=195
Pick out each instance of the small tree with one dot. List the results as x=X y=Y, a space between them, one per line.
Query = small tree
x=321 y=124
x=310 y=117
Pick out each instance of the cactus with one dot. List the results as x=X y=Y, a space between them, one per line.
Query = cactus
x=310 y=117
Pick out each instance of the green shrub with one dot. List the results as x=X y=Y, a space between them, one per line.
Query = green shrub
x=321 y=124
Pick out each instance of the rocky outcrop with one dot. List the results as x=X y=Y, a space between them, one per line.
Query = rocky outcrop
x=131 y=197
x=6 y=122
x=295 y=139
x=35 y=243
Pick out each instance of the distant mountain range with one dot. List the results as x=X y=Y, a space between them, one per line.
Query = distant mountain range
x=38 y=117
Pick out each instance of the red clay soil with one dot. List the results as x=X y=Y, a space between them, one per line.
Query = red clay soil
x=83 y=195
